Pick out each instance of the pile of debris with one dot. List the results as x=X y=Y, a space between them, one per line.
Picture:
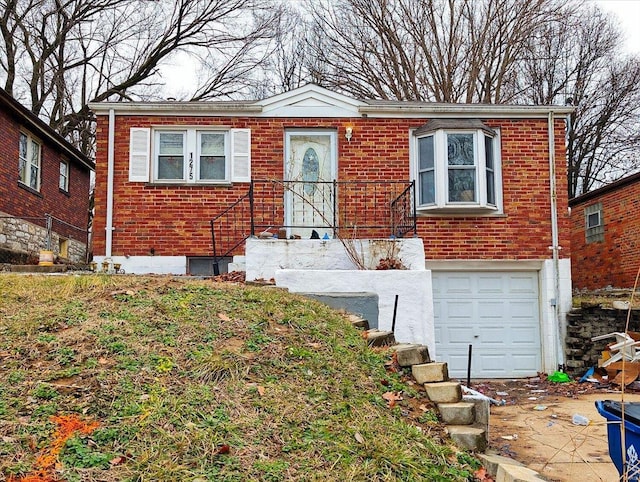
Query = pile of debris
x=619 y=364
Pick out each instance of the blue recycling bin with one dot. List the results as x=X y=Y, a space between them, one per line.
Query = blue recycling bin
x=612 y=411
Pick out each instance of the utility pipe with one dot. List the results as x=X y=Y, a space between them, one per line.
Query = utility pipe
x=555 y=247
x=110 y=162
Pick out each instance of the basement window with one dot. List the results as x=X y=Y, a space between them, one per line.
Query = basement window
x=594 y=229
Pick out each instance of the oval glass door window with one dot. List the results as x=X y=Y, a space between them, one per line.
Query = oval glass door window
x=310 y=170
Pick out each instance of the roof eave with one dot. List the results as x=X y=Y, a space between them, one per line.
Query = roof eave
x=176 y=108
x=465 y=110
x=35 y=124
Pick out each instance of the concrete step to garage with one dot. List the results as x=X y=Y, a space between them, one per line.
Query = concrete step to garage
x=458 y=413
x=467 y=417
x=468 y=437
x=380 y=338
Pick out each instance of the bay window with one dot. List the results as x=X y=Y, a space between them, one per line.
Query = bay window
x=456 y=166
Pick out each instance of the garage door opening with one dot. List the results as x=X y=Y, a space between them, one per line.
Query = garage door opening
x=496 y=312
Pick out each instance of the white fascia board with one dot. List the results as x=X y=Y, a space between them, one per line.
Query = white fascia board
x=434 y=110
x=203 y=109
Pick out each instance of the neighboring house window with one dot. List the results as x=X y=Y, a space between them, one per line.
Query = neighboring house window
x=29 y=161
x=457 y=166
x=64 y=176
x=189 y=155
x=594 y=224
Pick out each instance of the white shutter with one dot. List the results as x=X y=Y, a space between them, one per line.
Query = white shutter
x=241 y=155
x=139 y=153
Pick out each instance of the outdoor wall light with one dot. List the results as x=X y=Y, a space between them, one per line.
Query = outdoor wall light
x=348 y=133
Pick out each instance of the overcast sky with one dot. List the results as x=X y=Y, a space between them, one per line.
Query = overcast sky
x=181 y=75
x=628 y=13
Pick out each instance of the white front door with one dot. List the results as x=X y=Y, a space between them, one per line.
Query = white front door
x=310 y=167
x=498 y=313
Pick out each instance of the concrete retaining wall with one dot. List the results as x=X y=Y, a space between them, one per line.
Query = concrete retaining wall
x=265 y=256
x=414 y=320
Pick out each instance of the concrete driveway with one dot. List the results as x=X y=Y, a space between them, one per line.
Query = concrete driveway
x=536 y=428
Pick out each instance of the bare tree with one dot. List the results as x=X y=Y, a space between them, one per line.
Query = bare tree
x=59 y=55
x=578 y=62
x=490 y=51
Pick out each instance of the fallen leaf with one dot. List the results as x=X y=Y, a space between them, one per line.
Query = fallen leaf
x=392 y=398
x=118 y=460
x=223 y=317
x=223 y=449
x=261 y=390
x=359 y=437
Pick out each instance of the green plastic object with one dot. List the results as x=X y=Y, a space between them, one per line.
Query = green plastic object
x=559 y=377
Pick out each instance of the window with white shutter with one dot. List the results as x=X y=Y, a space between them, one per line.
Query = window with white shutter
x=190 y=155
x=139 y=154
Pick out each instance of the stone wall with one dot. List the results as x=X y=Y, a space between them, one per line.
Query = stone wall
x=25 y=237
x=587 y=322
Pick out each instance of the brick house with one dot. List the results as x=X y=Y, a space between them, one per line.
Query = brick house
x=44 y=188
x=605 y=235
x=487 y=184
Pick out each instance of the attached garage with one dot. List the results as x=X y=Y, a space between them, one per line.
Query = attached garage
x=498 y=313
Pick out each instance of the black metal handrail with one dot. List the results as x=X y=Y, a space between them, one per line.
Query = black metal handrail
x=346 y=208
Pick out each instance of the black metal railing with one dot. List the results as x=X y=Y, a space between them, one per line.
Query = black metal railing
x=354 y=209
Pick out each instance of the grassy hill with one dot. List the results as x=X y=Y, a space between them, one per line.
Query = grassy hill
x=122 y=378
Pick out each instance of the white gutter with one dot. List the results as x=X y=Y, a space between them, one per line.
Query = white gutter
x=555 y=248
x=110 y=163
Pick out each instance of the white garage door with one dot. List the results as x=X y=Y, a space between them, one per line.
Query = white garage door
x=497 y=313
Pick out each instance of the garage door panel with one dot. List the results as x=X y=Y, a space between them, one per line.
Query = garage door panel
x=497 y=313
x=489 y=284
x=459 y=335
x=521 y=284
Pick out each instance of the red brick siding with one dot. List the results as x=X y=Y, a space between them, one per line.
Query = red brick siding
x=615 y=261
x=173 y=220
x=15 y=200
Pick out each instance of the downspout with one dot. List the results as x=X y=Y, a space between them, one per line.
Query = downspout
x=555 y=248
x=110 y=163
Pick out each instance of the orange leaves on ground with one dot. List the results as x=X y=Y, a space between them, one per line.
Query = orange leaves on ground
x=223 y=317
x=67 y=427
x=392 y=398
x=482 y=475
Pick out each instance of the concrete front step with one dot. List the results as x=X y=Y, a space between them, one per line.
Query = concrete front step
x=430 y=372
x=468 y=437
x=460 y=413
x=409 y=354
x=444 y=392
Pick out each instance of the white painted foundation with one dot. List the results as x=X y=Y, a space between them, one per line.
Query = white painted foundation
x=265 y=256
x=414 y=319
x=147 y=264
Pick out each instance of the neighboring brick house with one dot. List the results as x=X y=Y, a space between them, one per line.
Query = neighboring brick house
x=44 y=181
x=605 y=235
x=491 y=198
